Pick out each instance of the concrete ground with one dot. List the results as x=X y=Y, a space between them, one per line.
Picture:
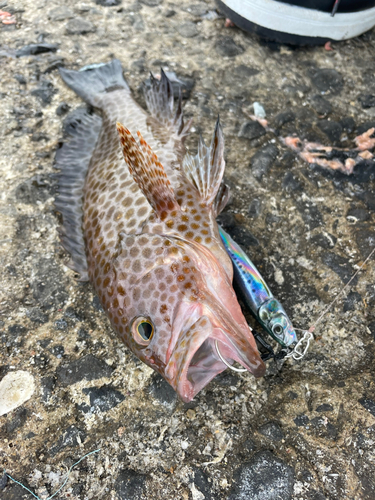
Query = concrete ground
x=304 y=431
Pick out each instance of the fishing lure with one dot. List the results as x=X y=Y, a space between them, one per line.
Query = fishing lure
x=258 y=297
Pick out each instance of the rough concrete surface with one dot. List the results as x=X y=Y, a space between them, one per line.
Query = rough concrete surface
x=305 y=431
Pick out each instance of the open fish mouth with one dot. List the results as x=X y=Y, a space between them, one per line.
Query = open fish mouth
x=200 y=369
x=194 y=361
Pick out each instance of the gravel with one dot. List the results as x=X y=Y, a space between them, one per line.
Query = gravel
x=307 y=230
x=264 y=478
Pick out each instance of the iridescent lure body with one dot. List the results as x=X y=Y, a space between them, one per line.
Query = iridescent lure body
x=258 y=297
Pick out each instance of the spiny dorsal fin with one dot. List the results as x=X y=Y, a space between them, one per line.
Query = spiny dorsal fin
x=206 y=169
x=147 y=172
x=221 y=200
x=159 y=100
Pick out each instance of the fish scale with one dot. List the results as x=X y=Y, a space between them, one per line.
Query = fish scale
x=153 y=250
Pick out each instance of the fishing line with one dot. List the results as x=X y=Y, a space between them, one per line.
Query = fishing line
x=308 y=334
x=64 y=483
x=312 y=328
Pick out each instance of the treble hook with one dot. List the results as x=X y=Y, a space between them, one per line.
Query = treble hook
x=226 y=363
x=296 y=353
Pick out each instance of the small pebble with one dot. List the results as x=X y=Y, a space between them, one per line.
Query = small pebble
x=187 y=30
x=62 y=109
x=60 y=13
x=15 y=388
x=259 y=111
x=79 y=26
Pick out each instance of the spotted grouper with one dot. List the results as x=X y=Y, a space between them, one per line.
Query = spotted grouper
x=139 y=223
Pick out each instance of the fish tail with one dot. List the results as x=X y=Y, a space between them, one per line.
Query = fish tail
x=92 y=81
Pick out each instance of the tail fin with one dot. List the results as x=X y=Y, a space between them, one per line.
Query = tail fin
x=95 y=80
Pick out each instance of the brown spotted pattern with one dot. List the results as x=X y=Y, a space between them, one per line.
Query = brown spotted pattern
x=147 y=171
x=145 y=225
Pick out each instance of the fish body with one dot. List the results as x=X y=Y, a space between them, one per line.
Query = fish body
x=258 y=297
x=141 y=228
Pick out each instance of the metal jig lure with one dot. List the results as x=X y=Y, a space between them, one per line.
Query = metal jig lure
x=258 y=297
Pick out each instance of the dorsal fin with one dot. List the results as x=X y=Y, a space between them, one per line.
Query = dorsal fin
x=221 y=200
x=206 y=169
x=147 y=172
x=160 y=103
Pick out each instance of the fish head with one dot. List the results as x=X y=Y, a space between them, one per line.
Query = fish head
x=190 y=305
x=276 y=322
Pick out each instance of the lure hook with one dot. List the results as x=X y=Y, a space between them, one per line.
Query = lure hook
x=225 y=362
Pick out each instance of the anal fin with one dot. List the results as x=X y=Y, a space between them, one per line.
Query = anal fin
x=73 y=159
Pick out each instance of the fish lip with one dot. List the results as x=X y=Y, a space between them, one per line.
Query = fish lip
x=195 y=372
x=186 y=388
x=184 y=317
x=236 y=342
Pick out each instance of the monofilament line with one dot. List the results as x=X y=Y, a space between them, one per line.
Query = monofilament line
x=308 y=334
x=64 y=483
x=312 y=328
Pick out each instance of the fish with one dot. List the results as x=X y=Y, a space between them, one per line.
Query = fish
x=139 y=222
x=266 y=309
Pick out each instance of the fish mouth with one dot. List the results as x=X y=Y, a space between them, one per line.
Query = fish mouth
x=195 y=361
x=192 y=360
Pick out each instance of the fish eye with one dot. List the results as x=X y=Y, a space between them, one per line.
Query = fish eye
x=145 y=330
x=142 y=330
x=277 y=329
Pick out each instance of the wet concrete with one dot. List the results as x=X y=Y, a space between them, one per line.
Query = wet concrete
x=306 y=431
